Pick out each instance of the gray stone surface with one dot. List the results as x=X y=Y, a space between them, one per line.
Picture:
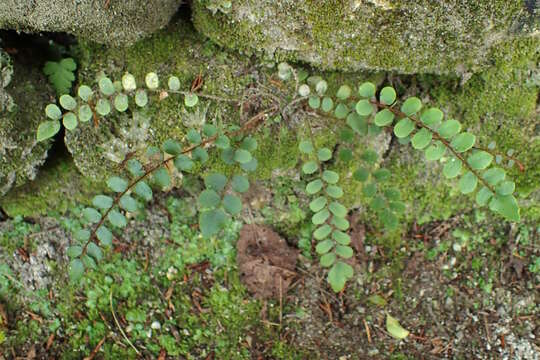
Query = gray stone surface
x=114 y=22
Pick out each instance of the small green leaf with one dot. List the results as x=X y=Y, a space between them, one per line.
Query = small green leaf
x=345 y=155
x=121 y=102
x=152 y=80
x=190 y=100
x=397 y=206
x=421 y=139
x=483 y=196
x=193 y=137
x=314 y=102
x=47 y=129
x=232 y=204
x=340 y=223
x=452 y=168
x=104 y=235
x=388 y=95
x=306 y=147
x=345 y=252
x=505 y=188
x=143 y=190
x=215 y=181
x=392 y=194
x=141 y=98
x=242 y=156
x=117 y=219
x=76 y=270
x=337 y=209
x=341 y=111
x=310 y=167
x=324 y=154
x=449 y=129
x=338 y=275
x=304 y=90
x=250 y=165
x=367 y=90
x=117 y=184
x=172 y=147
x=209 y=199
x=209 y=130
x=85 y=113
x=327 y=104
x=432 y=117
x=382 y=174
x=322 y=232
x=103 y=107
x=53 y=112
x=318 y=204
x=377 y=203
x=70 y=121
x=174 y=83
x=388 y=219
x=240 y=183
x=102 y=201
x=370 y=156
x=211 y=222
x=384 y=117
x=324 y=246
x=183 y=163
x=67 y=102
x=463 y=142
x=435 y=151
x=128 y=82
x=82 y=235
x=361 y=174
x=404 y=128
x=314 y=186
x=494 y=175
x=364 y=107
x=341 y=238
x=328 y=259
x=106 y=86
x=88 y=262
x=480 y=160
x=74 y=251
x=222 y=142
x=331 y=177
x=377 y=300
x=91 y=215
x=411 y=106
x=468 y=183
x=128 y=203
x=94 y=251
x=357 y=123
x=395 y=329
x=85 y=92
x=320 y=217
x=369 y=189
x=334 y=191
x=506 y=206
x=343 y=92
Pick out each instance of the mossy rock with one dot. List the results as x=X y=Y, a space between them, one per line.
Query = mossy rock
x=405 y=36
x=24 y=91
x=107 y=21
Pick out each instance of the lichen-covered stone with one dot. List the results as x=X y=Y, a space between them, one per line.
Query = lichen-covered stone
x=407 y=36
x=23 y=94
x=106 y=21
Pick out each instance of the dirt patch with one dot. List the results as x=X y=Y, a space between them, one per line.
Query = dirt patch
x=265 y=261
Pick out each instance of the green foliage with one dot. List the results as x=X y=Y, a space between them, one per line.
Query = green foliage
x=61 y=74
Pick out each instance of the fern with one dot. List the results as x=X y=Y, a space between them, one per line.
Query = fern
x=61 y=74
x=362 y=112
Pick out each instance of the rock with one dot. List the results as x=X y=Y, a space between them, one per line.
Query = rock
x=114 y=22
x=405 y=36
x=23 y=94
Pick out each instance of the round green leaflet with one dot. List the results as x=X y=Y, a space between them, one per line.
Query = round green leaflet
x=341 y=237
x=337 y=209
x=209 y=199
x=435 y=151
x=367 y=90
x=314 y=102
x=141 y=98
x=121 y=102
x=106 y=86
x=463 y=142
x=328 y=259
x=91 y=215
x=505 y=188
x=190 y=100
x=480 y=160
x=322 y=232
x=404 y=128
x=310 y=167
x=364 y=108
x=318 y=204
x=384 y=117
x=152 y=80
x=340 y=223
x=117 y=219
x=103 y=107
x=341 y=111
x=494 y=175
x=232 y=204
x=483 y=196
x=174 y=83
x=343 y=92
x=303 y=90
x=344 y=252
x=102 y=201
x=324 y=246
x=411 y=106
x=320 y=217
x=240 y=183
x=128 y=203
x=76 y=270
x=85 y=92
x=85 y=113
x=468 y=183
x=242 y=156
x=334 y=191
x=432 y=117
x=321 y=86
x=128 y=82
x=306 y=147
x=104 y=235
x=338 y=275
x=421 y=139
x=70 y=121
x=324 y=154
x=452 y=168
x=331 y=177
x=68 y=102
x=387 y=95
x=215 y=181
x=117 y=184
x=53 y=112
x=314 y=186
x=327 y=104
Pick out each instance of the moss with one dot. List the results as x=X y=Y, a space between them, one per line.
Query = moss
x=407 y=36
x=59 y=187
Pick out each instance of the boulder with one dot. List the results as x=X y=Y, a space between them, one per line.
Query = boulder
x=23 y=94
x=114 y=22
x=406 y=36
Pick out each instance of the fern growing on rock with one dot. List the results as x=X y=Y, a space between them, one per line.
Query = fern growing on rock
x=361 y=112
